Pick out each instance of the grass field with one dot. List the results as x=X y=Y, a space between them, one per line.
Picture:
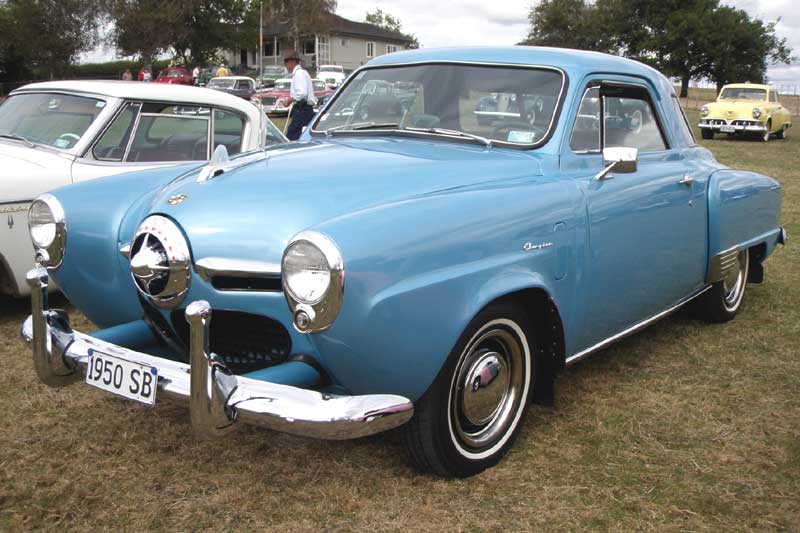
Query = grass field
x=685 y=426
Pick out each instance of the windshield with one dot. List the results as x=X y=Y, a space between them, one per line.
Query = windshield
x=331 y=69
x=743 y=93
x=318 y=85
x=283 y=85
x=171 y=74
x=56 y=120
x=222 y=83
x=505 y=104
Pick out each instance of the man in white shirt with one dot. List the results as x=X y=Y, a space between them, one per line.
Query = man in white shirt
x=301 y=96
x=195 y=75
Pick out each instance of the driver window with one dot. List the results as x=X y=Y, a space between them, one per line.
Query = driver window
x=111 y=146
x=630 y=121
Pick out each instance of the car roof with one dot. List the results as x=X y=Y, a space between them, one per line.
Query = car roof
x=233 y=78
x=747 y=86
x=565 y=58
x=334 y=66
x=133 y=90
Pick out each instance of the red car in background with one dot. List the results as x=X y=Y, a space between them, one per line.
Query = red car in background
x=175 y=75
x=270 y=98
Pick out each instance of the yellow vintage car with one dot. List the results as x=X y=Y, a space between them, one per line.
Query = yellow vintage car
x=746 y=108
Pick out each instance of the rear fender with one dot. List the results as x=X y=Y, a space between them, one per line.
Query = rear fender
x=744 y=212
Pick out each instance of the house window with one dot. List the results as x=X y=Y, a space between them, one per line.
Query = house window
x=343 y=43
x=309 y=47
x=272 y=48
x=391 y=48
x=370 y=49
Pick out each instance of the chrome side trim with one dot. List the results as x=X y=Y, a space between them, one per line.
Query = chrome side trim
x=211 y=267
x=217 y=399
x=633 y=329
x=722 y=264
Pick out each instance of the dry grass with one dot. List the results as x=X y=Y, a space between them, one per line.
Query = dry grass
x=683 y=427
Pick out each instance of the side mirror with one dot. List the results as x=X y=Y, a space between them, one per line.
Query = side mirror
x=619 y=159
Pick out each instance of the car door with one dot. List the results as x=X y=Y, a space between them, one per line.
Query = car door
x=145 y=135
x=645 y=229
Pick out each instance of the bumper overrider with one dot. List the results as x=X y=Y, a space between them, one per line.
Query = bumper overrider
x=217 y=399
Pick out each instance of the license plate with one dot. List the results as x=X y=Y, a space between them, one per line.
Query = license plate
x=134 y=381
x=727 y=129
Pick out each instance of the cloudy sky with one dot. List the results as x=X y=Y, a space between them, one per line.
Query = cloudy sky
x=504 y=22
x=500 y=22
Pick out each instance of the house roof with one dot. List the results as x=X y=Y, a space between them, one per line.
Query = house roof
x=342 y=26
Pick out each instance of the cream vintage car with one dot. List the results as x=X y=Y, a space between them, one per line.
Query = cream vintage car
x=746 y=108
x=57 y=133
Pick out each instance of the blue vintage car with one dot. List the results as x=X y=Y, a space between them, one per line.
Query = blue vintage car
x=417 y=269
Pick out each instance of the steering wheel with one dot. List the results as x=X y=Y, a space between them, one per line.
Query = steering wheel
x=71 y=138
x=508 y=126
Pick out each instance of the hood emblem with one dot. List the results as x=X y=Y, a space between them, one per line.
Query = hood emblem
x=177 y=199
x=729 y=113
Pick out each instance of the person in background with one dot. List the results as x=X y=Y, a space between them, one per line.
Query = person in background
x=222 y=71
x=195 y=74
x=148 y=75
x=140 y=76
x=126 y=75
x=301 y=96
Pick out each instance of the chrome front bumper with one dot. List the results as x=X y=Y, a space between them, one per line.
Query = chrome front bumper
x=216 y=398
x=737 y=127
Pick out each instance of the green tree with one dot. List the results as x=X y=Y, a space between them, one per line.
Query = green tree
x=300 y=17
x=742 y=48
x=46 y=36
x=391 y=23
x=568 y=24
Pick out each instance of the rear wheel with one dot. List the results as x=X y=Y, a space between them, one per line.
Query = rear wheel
x=783 y=133
x=707 y=134
x=722 y=301
x=472 y=412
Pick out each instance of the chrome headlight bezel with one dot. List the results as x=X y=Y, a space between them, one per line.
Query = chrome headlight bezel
x=756 y=112
x=57 y=245
x=160 y=262
x=311 y=316
x=704 y=111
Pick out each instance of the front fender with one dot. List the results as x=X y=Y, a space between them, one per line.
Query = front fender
x=418 y=271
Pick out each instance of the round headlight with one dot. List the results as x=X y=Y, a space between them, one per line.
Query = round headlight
x=48 y=227
x=306 y=271
x=313 y=280
x=756 y=112
x=704 y=111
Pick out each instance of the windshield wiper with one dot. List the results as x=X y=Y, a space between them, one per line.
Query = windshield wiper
x=453 y=133
x=361 y=126
x=19 y=138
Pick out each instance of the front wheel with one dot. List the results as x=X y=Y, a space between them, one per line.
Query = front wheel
x=707 y=134
x=471 y=414
x=765 y=135
x=721 y=302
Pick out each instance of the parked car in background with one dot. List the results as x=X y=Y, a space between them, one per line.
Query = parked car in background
x=746 y=109
x=480 y=260
x=271 y=73
x=206 y=75
x=175 y=75
x=367 y=99
x=273 y=99
x=56 y=133
x=332 y=75
x=240 y=86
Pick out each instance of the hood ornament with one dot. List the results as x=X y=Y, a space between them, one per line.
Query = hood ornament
x=220 y=163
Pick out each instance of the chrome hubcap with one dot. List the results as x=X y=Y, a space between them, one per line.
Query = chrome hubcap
x=734 y=282
x=487 y=388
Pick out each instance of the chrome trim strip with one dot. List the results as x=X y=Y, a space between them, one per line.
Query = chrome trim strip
x=210 y=267
x=17 y=209
x=216 y=398
x=632 y=329
x=557 y=109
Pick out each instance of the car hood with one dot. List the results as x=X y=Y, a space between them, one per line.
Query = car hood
x=733 y=109
x=253 y=211
x=28 y=172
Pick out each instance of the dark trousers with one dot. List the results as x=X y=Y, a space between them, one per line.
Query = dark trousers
x=301 y=116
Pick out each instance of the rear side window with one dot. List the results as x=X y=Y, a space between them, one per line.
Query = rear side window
x=684 y=130
x=228 y=128
x=773 y=97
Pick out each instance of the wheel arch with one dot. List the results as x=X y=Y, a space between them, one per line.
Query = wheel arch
x=8 y=284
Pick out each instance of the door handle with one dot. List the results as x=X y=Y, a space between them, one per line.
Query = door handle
x=687 y=180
